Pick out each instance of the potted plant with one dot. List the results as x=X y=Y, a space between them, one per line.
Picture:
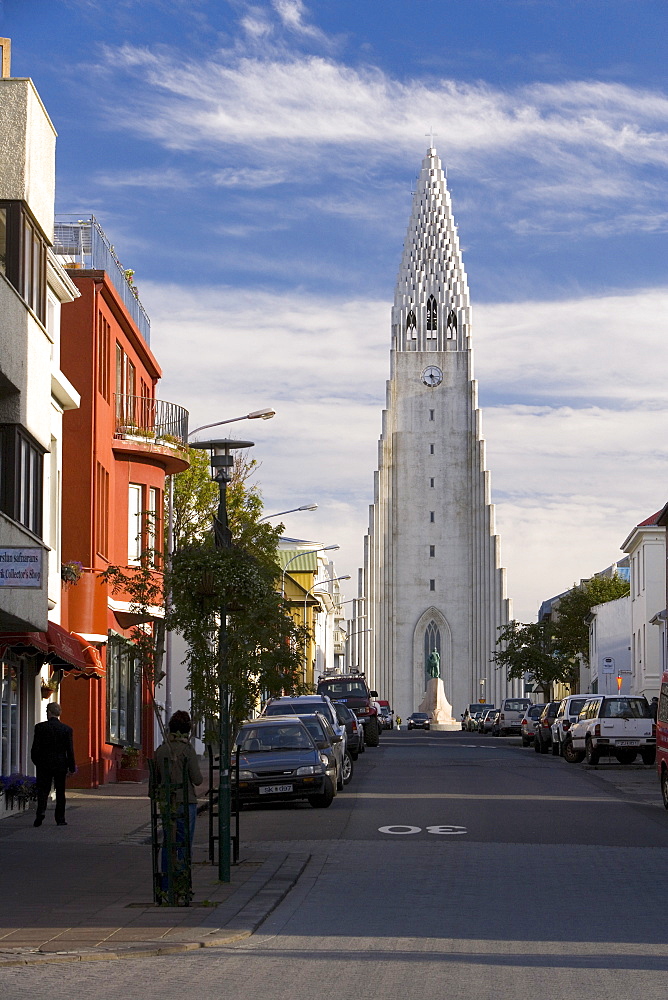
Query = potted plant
x=70 y=572
x=129 y=768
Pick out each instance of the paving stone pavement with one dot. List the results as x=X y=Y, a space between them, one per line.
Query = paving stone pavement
x=83 y=892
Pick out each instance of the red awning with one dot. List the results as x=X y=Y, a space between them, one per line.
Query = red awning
x=63 y=649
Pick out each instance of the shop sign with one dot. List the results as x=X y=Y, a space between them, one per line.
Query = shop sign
x=21 y=567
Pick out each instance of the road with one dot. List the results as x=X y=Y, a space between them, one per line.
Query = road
x=451 y=865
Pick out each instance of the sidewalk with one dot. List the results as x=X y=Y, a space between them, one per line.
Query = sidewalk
x=83 y=892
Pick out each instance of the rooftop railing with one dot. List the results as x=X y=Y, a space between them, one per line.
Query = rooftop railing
x=140 y=416
x=83 y=243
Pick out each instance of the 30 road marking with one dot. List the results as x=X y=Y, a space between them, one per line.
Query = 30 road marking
x=400 y=830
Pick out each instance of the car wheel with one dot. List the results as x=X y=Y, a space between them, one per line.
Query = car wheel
x=371 y=733
x=570 y=754
x=347 y=769
x=525 y=741
x=543 y=746
x=556 y=748
x=591 y=756
x=536 y=744
x=648 y=756
x=664 y=786
x=322 y=801
x=627 y=756
x=339 y=779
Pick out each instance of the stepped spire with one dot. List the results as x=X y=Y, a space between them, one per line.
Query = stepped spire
x=431 y=303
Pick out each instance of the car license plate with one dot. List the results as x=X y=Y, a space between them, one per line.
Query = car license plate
x=627 y=743
x=275 y=789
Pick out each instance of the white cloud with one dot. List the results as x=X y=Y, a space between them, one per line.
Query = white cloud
x=570 y=481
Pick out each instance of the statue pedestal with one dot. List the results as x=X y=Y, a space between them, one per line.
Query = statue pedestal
x=438 y=708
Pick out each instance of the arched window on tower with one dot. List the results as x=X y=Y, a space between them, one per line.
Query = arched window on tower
x=452 y=324
x=432 y=313
x=411 y=331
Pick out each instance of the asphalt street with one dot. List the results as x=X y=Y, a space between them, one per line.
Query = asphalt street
x=452 y=864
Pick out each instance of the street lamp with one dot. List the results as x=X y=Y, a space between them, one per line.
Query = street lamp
x=293 y=510
x=221 y=464
x=265 y=414
x=321 y=583
x=303 y=552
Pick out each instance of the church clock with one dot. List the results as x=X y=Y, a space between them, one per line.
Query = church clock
x=432 y=376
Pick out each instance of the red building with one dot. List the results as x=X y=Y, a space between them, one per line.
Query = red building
x=117 y=449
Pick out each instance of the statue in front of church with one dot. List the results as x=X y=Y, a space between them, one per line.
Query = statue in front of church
x=434 y=664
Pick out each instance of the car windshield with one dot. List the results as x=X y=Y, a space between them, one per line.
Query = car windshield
x=316 y=730
x=343 y=689
x=419 y=715
x=626 y=708
x=516 y=705
x=264 y=739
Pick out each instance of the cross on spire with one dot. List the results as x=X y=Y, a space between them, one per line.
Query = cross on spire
x=431 y=135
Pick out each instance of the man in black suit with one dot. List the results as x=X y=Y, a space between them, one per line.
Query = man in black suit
x=53 y=756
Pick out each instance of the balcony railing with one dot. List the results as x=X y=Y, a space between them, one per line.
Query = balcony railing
x=140 y=416
x=83 y=243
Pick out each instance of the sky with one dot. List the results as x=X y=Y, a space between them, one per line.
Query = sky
x=253 y=163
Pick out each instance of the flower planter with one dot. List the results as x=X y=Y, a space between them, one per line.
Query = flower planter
x=131 y=774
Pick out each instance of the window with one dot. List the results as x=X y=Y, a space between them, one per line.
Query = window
x=432 y=516
x=102 y=511
x=432 y=313
x=432 y=584
x=432 y=551
x=123 y=693
x=23 y=255
x=431 y=483
x=431 y=414
x=431 y=449
x=125 y=388
x=410 y=324
x=451 y=330
x=153 y=526
x=22 y=464
x=103 y=345
x=10 y=712
x=134 y=524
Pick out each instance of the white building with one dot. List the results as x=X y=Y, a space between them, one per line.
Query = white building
x=646 y=547
x=609 y=649
x=33 y=395
x=432 y=576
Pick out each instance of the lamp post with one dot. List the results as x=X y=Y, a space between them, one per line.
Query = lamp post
x=221 y=464
x=265 y=414
x=322 y=548
x=293 y=510
x=322 y=583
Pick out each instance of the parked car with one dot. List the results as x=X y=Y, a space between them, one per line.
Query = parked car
x=353 y=691
x=354 y=729
x=620 y=725
x=568 y=712
x=386 y=717
x=278 y=759
x=305 y=705
x=542 y=740
x=528 y=723
x=485 y=721
x=473 y=709
x=494 y=729
x=510 y=716
x=418 y=720
x=662 y=738
x=332 y=745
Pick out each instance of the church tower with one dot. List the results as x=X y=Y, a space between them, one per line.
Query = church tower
x=432 y=577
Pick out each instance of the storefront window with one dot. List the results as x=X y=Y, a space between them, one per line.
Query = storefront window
x=10 y=681
x=123 y=693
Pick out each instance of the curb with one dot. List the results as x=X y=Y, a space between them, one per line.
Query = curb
x=246 y=921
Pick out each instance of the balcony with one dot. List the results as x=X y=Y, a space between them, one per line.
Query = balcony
x=143 y=424
x=82 y=243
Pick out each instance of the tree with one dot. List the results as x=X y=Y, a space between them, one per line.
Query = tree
x=530 y=650
x=571 y=631
x=263 y=650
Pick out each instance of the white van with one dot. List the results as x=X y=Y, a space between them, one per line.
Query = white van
x=510 y=715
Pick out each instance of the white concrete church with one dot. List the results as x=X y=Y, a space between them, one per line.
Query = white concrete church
x=432 y=577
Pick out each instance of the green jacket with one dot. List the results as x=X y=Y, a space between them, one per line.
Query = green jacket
x=172 y=755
